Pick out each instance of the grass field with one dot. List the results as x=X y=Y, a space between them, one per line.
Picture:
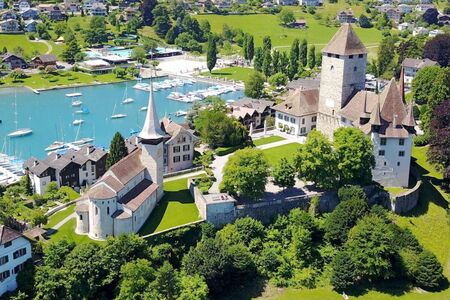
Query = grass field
x=267 y=140
x=231 y=73
x=11 y=41
x=288 y=151
x=282 y=37
x=59 y=216
x=40 y=81
x=177 y=207
x=67 y=231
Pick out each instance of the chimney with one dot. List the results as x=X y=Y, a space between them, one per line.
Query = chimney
x=395 y=121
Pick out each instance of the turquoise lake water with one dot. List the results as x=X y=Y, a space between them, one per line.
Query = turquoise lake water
x=51 y=114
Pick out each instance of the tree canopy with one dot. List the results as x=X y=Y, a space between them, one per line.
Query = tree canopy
x=117 y=150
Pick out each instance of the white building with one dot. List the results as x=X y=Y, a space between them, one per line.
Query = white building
x=24 y=5
x=15 y=250
x=342 y=101
x=286 y=2
x=123 y=199
x=411 y=66
x=420 y=31
x=404 y=26
x=310 y=2
x=2 y=4
x=435 y=32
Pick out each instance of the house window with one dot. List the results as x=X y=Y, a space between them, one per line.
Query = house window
x=4 y=275
x=293 y=120
x=19 y=268
x=7 y=244
x=303 y=130
x=361 y=55
x=329 y=54
x=286 y=118
x=351 y=57
x=338 y=56
x=313 y=127
x=81 y=217
x=186 y=147
x=280 y=116
x=96 y=211
x=355 y=69
x=314 y=119
x=107 y=211
x=331 y=68
x=176 y=149
x=401 y=142
x=84 y=167
x=398 y=164
x=184 y=139
x=176 y=159
x=186 y=157
x=401 y=153
x=383 y=141
x=19 y=253
x=4 y=260
x=381 y=153
x=303 y=121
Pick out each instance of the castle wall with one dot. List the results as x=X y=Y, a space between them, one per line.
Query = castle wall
x=82 y=223
x=101 y=225
x=143 y=212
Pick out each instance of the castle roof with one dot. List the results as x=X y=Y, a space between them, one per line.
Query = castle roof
x=300 y=103
x=7 y=234
x=345 y=42
x=152 y=129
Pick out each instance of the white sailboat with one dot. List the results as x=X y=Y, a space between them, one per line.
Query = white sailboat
x=143 y=108
x=117 y=116
x=76 y=103
x=180 y=113
x=19 y=131
x=127 y=100
x=78 y=122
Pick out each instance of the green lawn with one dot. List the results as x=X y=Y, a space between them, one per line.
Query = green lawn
x=177 y=207
x=231 y=73
x=60 y=215
x=40 y=81
x=11 y=41
x=395 y=190
x=273 y=155
x=267 y=140
x=67 y=231
x=317 y=33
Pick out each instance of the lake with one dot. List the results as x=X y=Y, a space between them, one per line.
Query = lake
x=50 y=114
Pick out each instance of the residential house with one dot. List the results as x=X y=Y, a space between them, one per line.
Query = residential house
x=393 y=14
x=420 y=31
x=56 y=13
x=435 y=32
x=130 y=12
x=29 y=14
x=74 y=168
x=310 y=2
x=384 y=8
x=405 y=8
x=411 y=66
x=44 y=60
x=297 y=115
x=425 y=1
x=72 y=5
x=98 y=9
x=8 y=15
x=87 y=4
x=13 y=61
x=15 y=250
x=406 y=1
x=2 y=4
x=444 y=20
x=9 y=26
x=423 y=7
x=222 y=4
x=386 y=1
x=286 y=2
x=405 y=26
x=30 y=25
x=346 y=16
x=23 y=5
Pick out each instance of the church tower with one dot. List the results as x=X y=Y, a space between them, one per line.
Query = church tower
x=152 y=139
x=344 y=62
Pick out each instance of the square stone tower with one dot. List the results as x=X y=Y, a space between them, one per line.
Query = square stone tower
x=344 y=62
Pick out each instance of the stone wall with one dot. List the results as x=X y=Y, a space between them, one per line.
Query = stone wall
x=406 y=201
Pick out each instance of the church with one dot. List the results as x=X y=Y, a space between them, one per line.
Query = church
x=340 y=100
x=124 y=197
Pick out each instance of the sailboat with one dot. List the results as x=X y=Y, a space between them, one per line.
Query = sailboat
x=19 y=131
x=77 y=122
x=117 y=116
x=77 y=103
x=127 y=100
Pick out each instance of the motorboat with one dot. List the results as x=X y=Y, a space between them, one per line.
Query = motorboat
x=144 y=108
x=83 y=111
x=77 y=122
x=180 y=113
x=118 y=116
x=71 y=95
x=20 y=132
x=128 y=100
x=56 y=145
x=77 y=103
x=82 y=141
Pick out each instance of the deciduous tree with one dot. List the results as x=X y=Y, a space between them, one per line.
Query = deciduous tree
x=284 y=173
x=254 y=86
x=117 y=150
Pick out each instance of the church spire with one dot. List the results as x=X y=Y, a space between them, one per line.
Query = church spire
x=345 y=42
x=152 y=129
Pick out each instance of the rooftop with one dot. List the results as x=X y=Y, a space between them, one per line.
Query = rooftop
x=345 y=42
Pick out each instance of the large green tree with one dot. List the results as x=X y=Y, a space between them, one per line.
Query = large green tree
x=211 y=54
x=117 y=150
x=303 y=53
x=284 y=173
x=245 y=173
x=259 y=57
x=294 y=58
x=286 y=16
x=136 y=278
x=254 y=86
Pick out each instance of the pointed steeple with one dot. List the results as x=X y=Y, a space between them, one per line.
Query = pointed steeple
x=345 y=42
x=391 y=103
x=375 y=119
x=408 y=120
x=152 y=129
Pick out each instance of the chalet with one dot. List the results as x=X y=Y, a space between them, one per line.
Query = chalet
x=393 y=14
x=56 y=13
x=310 y=2
x=72 y=5
x=411 y=66
x=29 y=14
x=87 y=4
x=9 y=25
x=13 y=61
x=22 y=5
x=30 y=25
x=444 y=20
x=346 y=16
x=405 y=8
x=129 y=13
x=98 y=9
x=2 y=4
x=44 y=60
x=221 y=4
x=74 y=168
x=8 y=15
x=251 y=111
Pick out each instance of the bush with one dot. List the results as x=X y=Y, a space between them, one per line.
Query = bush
x=421 y=140
x=350 y=192
x=203 y=183
x=428 y=272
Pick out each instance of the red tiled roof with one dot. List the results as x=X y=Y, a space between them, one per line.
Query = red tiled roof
x=7 y=234
x=137 y=195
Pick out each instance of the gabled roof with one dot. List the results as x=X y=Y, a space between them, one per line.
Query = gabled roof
x=300 y=103
x=46 y=58
x=127 y=168
x=345 y=42
x=418 y=63
x=7 y=234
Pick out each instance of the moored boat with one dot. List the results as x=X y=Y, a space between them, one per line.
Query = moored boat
x=20 y=132
x=77 y=122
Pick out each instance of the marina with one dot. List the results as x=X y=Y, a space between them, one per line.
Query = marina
x=48 y=117
x=10 y=169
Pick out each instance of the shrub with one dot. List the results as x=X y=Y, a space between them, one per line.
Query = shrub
x=428 y=272
x=203 y=183
x=421 y=140
x=350 y=192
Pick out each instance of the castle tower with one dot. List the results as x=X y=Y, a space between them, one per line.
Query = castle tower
x=152 y=138
x=344 y=62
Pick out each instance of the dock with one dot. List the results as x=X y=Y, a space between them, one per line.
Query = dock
x=11 y=169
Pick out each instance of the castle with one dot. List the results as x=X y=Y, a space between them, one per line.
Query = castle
x=122 y=200
x=340 y=100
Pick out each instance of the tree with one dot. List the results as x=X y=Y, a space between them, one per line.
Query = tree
x=284 y=174
x=254 y=86
x=119 y=72
x=42 y=31
x=96 y=33
x=439 y=151
x=162 y=25
x=25 y=278
x=372 y=246
x=276 y=66
x=56 y=253
x=316 y=161
x=312 y=57
x=187 y=42
x=278 y=79
x=117 y=150
x=136 y=278
x=245 y=174
x=386 y=53
x=211 y=54
x=38 y=218
x=423 y=83
x=351 y=192
x=354 y=152
x=25 y=183
x=428 y=272
x=16 y=75
x=267 y=44
x=166 y=281
x=146 y=8
x=60 y=28
x=430 y=16
x=250 y=47
x=319 y=59
x=303 y=53
x=293 y=58
x=339 y=222
x=193 y=287
x=438 y=49
x=139 y=54
x=343 y=276
x=70 y=51
x=267 y=64
x=259 y=57
x=364 y=21
x=286 y=16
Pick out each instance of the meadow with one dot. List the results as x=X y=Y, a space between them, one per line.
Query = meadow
x=11 y=41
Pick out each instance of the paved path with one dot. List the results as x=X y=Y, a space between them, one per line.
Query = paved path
x=187 y=175
x=219 y=162
x=49 y=46
x=66 y=219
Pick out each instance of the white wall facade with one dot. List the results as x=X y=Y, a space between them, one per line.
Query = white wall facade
x=100 y=220
x=152 y=158
x=180 y=153
x=11 y=267
x=87 y=173
x=297 y=125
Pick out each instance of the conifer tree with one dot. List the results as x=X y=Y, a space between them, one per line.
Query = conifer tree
x=267 y=44
x=259 y=57
x=303 y=53
x=250 y=45
x=276 y=62
x=312 y=57
x=211 y=55
x=293 y=59
x=267 y=64
x=25 y=183
x=117 y=150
